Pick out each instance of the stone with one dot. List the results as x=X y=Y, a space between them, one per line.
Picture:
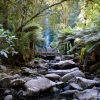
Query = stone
x=42 y=66
x=5 y=82
x=71 y=75
x=58 y=58
x=17 y=82
x=32 y=91
x=66 y=64
x=8 y=97
x=63 y=72
x=82 y=83
x=28 y=71
x=69 y=93
x=3 y=68
x=60 y=84
x=88 y=94
x=27 y=79
x=40 y=83
x=53 y=77
x=16 y=76
x=75 y=86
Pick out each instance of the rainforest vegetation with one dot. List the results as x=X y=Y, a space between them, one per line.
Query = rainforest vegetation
x=74 y=26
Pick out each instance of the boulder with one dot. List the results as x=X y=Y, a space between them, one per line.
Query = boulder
x=27 y=79
x=16 y=76
x=88 y=94
x=71 y=75
x=75 y=86
x=32 y=91
x=17 y=82
x=58 y=58
x=82 y=83
x=40 y=83
x=69 y=93
x=60 y=84
x=62 y=72
x=28 y=71
x=53 y=77
x=5 y=82
x=2 y=75
x=42 y=66
x=8 y=97
x=67 y=64
x=3 y=68
x=42 y=69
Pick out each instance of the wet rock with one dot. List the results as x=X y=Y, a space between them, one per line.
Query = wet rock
x=16 y=76
x=63 y=64
x=10 y=91
x=32 y=91
x=28 y=71
x=8 y=97
x=69 y=93
x=21 y=93
x=62 y=72
x=7 y=92
x=82 y=83
x=54 y=89
x=42 y=69
x=75 y=86
x=58 y=58
x=53 y=77
x=42 y=66
x=60 y=84
x=5 y=82
x=36 y=63
x=2 y=75
x=43 y=72
x=88 y=94
x=27 y=79
x=3 y=68
x=40 y=83
x=71 y=75
x=17 y=82
x=43 y=61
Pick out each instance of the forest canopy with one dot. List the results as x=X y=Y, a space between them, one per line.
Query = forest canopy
x=23 y=22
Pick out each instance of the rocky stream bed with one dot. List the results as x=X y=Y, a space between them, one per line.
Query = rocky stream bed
x=60 y=79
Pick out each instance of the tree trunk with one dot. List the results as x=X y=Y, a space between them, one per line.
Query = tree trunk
x=31 y=50
x=5 y=14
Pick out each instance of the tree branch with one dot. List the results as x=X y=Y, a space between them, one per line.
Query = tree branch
x=20 y=28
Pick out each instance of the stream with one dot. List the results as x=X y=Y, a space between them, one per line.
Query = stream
x=70 y=83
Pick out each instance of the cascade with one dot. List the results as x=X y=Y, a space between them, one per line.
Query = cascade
x=47 y=32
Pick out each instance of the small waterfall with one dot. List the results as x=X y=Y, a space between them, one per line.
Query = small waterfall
x=47 y=32
x=47 y=37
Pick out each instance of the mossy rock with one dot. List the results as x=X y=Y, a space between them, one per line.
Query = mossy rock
x=95 y=67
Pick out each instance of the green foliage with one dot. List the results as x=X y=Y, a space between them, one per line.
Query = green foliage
x=31 y=32
x=7 y=45
x=22 y=44
x=82 y=54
